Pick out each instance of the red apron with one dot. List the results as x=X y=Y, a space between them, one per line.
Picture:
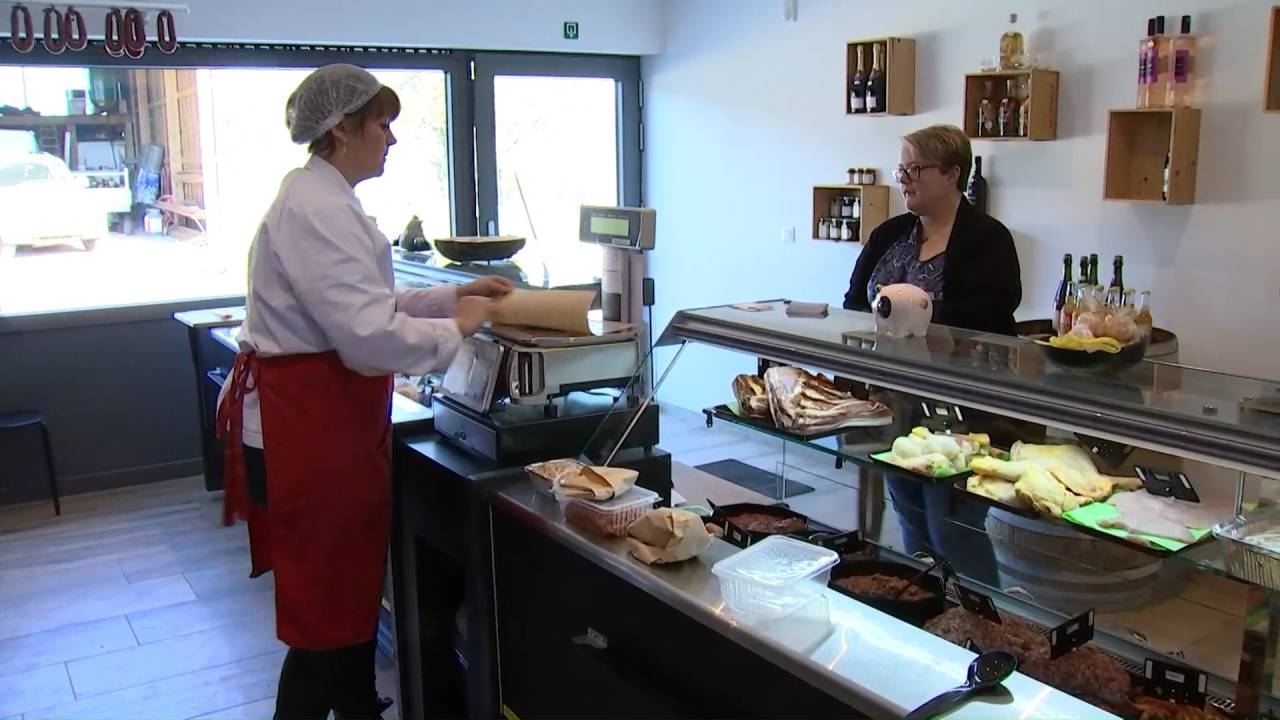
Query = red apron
x=327 y=436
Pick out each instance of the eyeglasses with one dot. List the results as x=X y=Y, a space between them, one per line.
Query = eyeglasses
x=912 y=172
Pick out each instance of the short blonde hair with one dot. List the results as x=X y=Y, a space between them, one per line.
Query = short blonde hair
x=946 y=145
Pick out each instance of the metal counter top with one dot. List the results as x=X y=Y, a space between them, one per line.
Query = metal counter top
x=871 y=661
x=213 y=317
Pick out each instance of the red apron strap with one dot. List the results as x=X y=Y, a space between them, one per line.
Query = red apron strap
x=236 y=503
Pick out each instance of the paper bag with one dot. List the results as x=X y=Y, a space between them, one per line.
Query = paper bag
x=564 y=310
x=598 y=483
x=667 y=535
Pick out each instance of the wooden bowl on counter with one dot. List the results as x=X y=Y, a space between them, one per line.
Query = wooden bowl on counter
x=479 y=248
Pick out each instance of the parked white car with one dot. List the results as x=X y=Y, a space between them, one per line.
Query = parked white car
x=43 y=203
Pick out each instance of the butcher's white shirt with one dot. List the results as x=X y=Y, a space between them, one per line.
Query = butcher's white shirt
x=320 y=279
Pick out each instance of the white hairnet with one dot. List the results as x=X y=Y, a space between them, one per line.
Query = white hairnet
x=325 y=97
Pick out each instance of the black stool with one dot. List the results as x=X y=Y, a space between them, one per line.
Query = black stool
x=22 y=419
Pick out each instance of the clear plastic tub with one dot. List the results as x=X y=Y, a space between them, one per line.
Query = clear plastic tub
x=611 y=517
x=774 y=577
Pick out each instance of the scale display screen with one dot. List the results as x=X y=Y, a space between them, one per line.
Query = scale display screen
x=626 y=228
x=615 y=226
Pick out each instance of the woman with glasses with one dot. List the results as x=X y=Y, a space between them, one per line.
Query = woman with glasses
x=963 y=258
x=967 y=263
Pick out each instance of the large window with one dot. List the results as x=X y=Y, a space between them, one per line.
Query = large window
x=127 y=185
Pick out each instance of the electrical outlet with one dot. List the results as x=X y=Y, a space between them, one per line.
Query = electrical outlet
x=789 y=234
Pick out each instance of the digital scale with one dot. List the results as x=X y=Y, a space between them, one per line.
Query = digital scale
x=515 y=392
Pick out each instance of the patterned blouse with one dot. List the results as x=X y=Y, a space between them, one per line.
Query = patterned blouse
x=901 y=264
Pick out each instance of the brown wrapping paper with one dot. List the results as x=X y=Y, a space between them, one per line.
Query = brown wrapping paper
x=667 y=535
x=564 y=310
x=598 y=483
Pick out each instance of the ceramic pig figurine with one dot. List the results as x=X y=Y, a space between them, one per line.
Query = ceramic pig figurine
x=902 y=311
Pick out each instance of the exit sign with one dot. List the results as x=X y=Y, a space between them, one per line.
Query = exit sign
x=570 y=30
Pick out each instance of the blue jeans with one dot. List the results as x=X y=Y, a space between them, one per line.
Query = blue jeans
x=923 y=511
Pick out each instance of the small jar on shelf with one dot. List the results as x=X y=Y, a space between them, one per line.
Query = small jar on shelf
x=824 y=229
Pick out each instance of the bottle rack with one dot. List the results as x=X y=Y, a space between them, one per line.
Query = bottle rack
x=1041 y=92
x=875 y=207
x=1139 y=142
x=1271 y=94
x=899 y=65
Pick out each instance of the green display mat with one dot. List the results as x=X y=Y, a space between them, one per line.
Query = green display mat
x=1089 y=516
x=884 y=458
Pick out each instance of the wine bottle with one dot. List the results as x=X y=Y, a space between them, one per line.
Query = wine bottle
x=875 y=83
x=1143 y=315
x=1164 y=179
x=1117 y=272
x=986 y=113
x=858 y=88
x=1007 y=117
x=1060 y=297
x=977 y=192
x=1182 y=47
x=1084 y=270
x=1145 y=47
x=1093 y=269
x=1158 y=81
x=1066 y=319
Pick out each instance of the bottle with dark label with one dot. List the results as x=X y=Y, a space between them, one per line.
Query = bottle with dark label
x=1084 y=270
x=1145 y=48
x=1007 y=116
x=1183 y=48
x=986 y=113
x=1064 y=287
x=977 y=192
x=858 y=87
x=875 y=83
x=1093 y=269
x=1117 y=272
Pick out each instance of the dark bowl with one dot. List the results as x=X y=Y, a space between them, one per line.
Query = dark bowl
x=479 y=249
x=1098 y=362
x=916 y=612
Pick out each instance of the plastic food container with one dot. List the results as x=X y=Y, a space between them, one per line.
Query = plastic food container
x=546 y=475
x=774 y=577
x=1249 y=555
x=611 y=517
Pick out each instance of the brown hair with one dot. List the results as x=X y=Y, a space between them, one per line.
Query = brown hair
x=384 y=104
x=946 y=145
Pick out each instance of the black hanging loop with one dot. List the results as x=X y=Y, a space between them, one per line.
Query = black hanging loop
x=54 y=41
x=74 y=31
x=113 y=36
x=166 y=34
x=22 y=31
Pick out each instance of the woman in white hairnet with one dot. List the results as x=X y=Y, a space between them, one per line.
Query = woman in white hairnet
x=305 y=414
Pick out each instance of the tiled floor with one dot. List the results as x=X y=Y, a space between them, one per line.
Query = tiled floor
x=136 y=603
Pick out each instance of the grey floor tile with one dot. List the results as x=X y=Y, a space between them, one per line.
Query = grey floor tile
x=70 y=642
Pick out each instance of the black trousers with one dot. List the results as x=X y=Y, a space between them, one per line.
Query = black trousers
x=313 y=682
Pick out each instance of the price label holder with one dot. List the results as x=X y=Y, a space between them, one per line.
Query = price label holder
x=1174 y=683
x=978 y=604
x=736 y=536
x=807 y=309
x=1070 y=635
x=842 y=543
x=1109 y=452
x=1172 y=484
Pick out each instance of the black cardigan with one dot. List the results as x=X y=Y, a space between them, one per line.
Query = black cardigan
x=981 y=281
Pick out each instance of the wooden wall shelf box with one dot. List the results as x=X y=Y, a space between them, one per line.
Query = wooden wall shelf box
x=1271 y=93
x=1042 y=92
x=1138 y=141
x=875 y=207
x=899 y=65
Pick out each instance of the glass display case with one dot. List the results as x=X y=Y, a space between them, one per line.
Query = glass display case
x=1200 y=604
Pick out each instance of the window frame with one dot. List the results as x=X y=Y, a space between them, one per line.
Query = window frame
x=469 y=104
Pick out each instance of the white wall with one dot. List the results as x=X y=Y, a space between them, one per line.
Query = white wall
x=627 y=27
x=744 y=114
